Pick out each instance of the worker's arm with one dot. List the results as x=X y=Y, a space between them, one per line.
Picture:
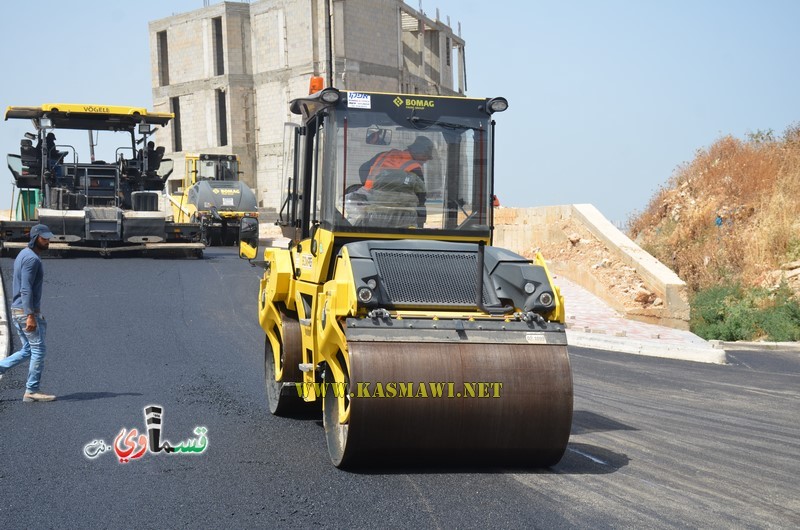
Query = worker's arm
x=28 y=270
x=422 y=212
x=363 y=170
x=422 y=195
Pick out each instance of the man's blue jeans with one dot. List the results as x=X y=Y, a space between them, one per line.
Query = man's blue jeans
x=32 y=347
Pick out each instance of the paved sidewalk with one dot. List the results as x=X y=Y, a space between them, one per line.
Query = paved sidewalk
x=591 y=323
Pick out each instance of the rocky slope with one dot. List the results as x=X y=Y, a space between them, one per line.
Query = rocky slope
x=732 y=215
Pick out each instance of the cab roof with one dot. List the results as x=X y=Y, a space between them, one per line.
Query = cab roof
x=387 y=102
x=89 y=117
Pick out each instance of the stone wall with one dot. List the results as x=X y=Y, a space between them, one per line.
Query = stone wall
x=525 y=229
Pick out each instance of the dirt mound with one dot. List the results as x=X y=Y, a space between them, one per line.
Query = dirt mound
x=732 y=215
x=584 y=252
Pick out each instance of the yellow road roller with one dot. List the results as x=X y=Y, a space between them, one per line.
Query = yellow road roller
x=211 y=193
x=390 y=307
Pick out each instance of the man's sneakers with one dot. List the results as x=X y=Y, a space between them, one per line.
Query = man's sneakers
x=30 y=397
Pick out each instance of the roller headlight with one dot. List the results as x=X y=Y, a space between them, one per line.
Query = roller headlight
x=530 y=288
x=496 y=105
x=372 y=284
x=546 y=299
x=364 y=294
x=330 y=95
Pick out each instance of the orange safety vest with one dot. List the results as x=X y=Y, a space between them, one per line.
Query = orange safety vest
x=394 y=159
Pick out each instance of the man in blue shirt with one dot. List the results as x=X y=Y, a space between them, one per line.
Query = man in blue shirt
x=26 y=312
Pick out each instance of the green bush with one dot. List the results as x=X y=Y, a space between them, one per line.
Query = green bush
x=781 y=320
x=729 y=312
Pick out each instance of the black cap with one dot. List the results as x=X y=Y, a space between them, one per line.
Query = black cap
x=422 y=146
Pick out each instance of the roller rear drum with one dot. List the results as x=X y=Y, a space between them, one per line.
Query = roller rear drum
x=481 y=403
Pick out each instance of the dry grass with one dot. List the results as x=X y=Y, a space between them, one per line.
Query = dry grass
x=730 y=215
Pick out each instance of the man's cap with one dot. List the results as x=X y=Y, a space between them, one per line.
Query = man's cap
x=51 y=136
x=41 y=231
x=422 y=146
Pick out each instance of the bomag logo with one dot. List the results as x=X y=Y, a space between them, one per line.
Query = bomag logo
x=90 y=108
x=218 y=191
x=414 y=103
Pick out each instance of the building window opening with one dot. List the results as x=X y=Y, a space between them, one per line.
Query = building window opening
x=219 y=55
x=222 y=115
x=175 y=105
x=163 y=58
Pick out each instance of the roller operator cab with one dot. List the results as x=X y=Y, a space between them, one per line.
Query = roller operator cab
x=212 y=194
x=90 y=204
x=390 y=306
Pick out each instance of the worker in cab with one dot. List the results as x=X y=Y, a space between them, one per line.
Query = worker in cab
x=151 y=148
x=151 y=158
x=396 y=177
x=148 y=153
x=410 y=160
x=52 y=154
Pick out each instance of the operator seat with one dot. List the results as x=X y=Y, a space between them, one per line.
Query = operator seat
x=154 y=159
x=29 y=154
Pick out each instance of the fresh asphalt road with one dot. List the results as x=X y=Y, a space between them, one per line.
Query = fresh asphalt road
x=655 y=443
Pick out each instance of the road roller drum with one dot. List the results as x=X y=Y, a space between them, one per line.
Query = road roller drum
x=444 y=402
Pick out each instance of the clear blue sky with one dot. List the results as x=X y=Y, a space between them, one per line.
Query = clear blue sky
x=606 y=97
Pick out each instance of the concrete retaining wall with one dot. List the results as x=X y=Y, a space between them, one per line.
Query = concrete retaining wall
x=524 y=229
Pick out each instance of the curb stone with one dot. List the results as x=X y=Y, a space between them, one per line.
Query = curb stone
x=650 y=348
x=755 y=345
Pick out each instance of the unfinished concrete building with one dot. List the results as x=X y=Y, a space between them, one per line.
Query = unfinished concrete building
x=227 y=71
